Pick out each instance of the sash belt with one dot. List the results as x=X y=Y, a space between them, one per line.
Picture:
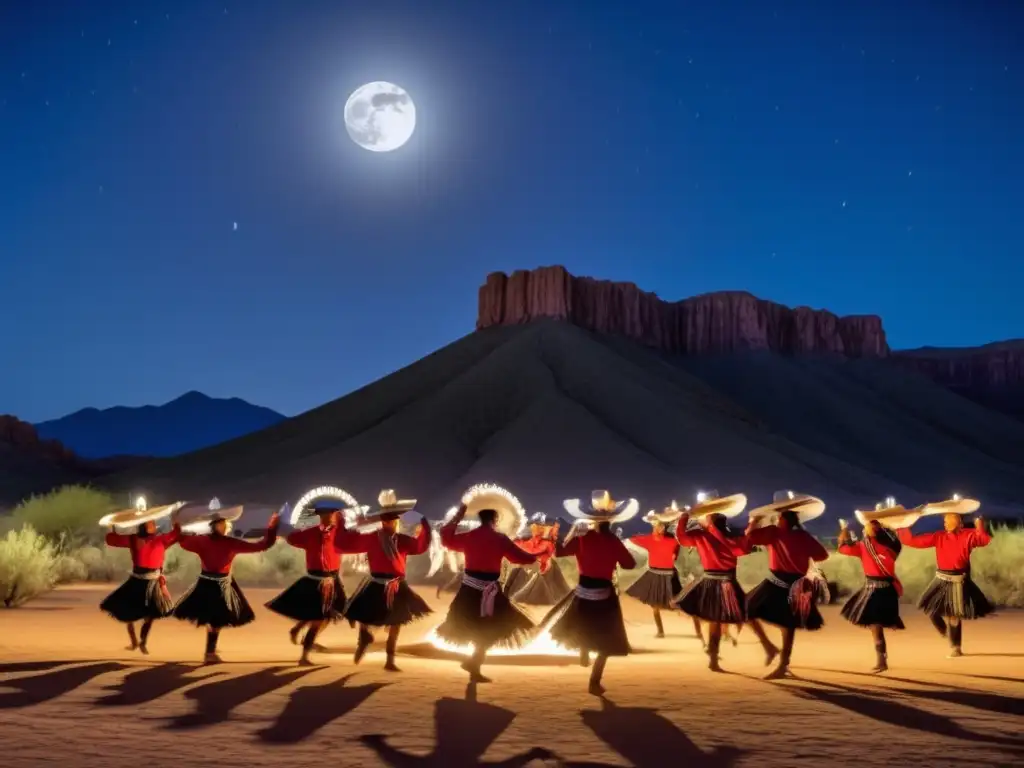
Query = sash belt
x=489 y=592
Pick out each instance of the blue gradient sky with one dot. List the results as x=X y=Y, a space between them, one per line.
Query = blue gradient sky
x=813 y=153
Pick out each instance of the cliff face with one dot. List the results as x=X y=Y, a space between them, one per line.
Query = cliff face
x=22 y=437
x=715 y=322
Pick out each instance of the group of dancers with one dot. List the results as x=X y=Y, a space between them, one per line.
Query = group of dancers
x=499 y=571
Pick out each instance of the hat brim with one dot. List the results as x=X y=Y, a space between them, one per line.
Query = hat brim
x=807 y=508
x=205 y=516
x=385 y=513
x=624 y=510
x=302 y=512
x=511 y=514
x=727 y=506
x=951 y=507
x=665 y=518
x=126 y=518
x=890 y=517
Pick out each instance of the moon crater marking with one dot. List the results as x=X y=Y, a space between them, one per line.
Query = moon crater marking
x=380 y=116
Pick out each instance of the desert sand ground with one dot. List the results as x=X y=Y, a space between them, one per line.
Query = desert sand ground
x=70 y=694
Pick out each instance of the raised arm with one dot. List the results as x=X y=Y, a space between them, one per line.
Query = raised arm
x=816 y=549
x=568 y=548
x=451 y=537
x=980 y=536
x=624 y=558
x=303 y=537
x=515 y=554
x=115 y=539
x=920 y=541
x=172 y=537
x=644 y=541
x=762 y=537
x=192 y=543
x=689 y=538
x=850 y=549
x=241 y=546
x=418 y=544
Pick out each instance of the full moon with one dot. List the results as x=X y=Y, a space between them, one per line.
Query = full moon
x=380 y=116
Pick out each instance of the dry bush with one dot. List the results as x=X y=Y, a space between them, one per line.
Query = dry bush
x=28 y=566
x=68 y=515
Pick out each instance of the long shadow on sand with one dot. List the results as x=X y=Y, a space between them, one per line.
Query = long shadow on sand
x=465 y=729
x=33 y=666
x=311 y=707
x=214 y=702
x=887 y=710
x=996 y=703
x=149 y=684
x=36 y=689
x=646 y=738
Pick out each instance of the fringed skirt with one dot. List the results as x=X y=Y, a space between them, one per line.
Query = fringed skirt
x=952 y=594
x=517 y=577
x=143 y=596
x=590 y=618
x=786 y=600
x=382 y=600
x=877 y=602
x=482 y=615
x=715 y=597
x=547 y=588
x=215 y=601
x=657 y=587
x=317 y=596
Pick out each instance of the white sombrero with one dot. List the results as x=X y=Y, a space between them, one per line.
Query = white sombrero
x=388 y=505
x=603 y=508
x=539 y=518
x=668 y=515
x=139 y=514
x=806 y=507
x=511 y=518
x=889 y=514
x=197 y=517
x=710 y=503
x=955 y=505
x=305 y=513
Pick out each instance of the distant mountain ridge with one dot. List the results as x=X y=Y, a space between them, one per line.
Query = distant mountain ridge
x=187 y=423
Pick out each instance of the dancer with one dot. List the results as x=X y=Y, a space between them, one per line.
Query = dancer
x=384 y=599
x=481 y=615
x=659 y=584
x=876 y=605
x=318 y=597
x=788 y=597
x=952 y=597
x=546 y=585
x=716 y=597
x=215 y=600
x=144 y=596
x=590 y=618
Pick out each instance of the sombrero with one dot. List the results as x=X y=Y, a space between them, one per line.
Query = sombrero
x=139 y=514
x=888 y=513
x=710 y=503
x=511 y=514
x=539 y=518
x=307 y=509
x=388 y=505
x=955 y=505
x=198 y=516
x=603 y=508
x=806 y=507
x=668 y=515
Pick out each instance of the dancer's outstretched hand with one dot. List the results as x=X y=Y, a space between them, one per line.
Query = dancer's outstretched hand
x=979 y=523
x=274 y=520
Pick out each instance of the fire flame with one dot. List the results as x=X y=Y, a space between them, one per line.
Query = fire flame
x=541 y=645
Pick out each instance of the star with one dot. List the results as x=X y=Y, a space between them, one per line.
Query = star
x=234 y=226
x=910 y=173
x=844 y=203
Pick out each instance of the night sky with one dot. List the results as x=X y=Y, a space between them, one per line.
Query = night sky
x=861 y=157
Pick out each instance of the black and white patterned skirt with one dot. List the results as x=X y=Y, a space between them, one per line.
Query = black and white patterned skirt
x=787 y=600
x=657 y=587
x=715 y=597
x=385 y=600
x=317 y=596
x=483 y=616
x=142 y=596
x=215 y=601
x=590 y=618
x=953 y=594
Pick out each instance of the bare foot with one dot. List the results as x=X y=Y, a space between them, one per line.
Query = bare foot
x=770 y=655
x=778 y=673
x=304 y=662
x=956 y=653
x=391 y=667
x=596 y=689
x=143 y=649
x=211 y=658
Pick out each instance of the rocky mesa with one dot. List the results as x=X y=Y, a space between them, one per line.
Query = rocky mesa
x=726 y=321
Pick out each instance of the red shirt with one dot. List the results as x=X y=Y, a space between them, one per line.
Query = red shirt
x=543 y=548
x=662 y=550
x=323 y=546
x=147 y=551
x=484 y=548
x=872 y=569
x=216 y=552
x=717 y=552
x=597 y=554
x=380 y=561
x=952 y=550
x=788 y=551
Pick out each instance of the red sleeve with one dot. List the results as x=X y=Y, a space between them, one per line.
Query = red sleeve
x=415 y=545
x=816 y=550
x=353 y=542
x=515 y=554
x=303 y=537
x=978 y=538
x=172 y=537
x=644 y=541
x=625 y=559
x=450 y=537
x=118 y=539
x=688 y=538
x=241 y=546
x=760 y=537
x=192 y=543
x=850 y=550
x=568 y=549
x=921 y=541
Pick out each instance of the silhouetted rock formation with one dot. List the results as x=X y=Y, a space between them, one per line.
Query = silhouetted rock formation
x=727 y=321
x=22 y=437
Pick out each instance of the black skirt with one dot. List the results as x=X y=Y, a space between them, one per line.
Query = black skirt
x=377 y=604
x=215 y=601
x=715 y=597
x=506 y=627
x=143 y=596
x=548 y=588
x=954 y=595
x=657 y=587
x=877 y=602
x=771 y=601
x=591 y=625
x=317 y=596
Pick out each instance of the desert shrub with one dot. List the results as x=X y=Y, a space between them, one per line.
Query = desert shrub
x=279 y=565
x=67 y=515
x=28 y=566
x=101 y=563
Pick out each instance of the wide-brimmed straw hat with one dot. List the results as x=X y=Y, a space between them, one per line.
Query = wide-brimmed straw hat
x=710 y=503
x=667 y=516
x=603 y=508
x=806 y=507
x=889 y=514
x=139 y=514
x=539 y=518
x=388 y=505
x=198 y=516
x=511 y=515
x=307 y=509
x=955 y=505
